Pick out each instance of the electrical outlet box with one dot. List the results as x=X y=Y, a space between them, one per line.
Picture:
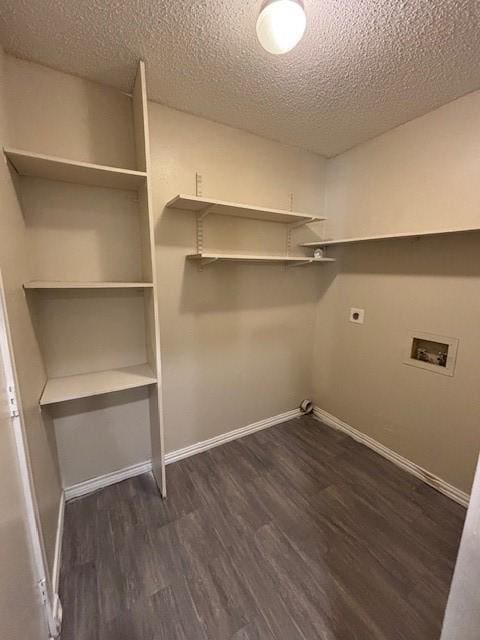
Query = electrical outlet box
x=357 y=315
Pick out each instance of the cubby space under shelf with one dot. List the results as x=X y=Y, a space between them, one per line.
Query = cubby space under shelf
x=86 y=330
x=83 y=234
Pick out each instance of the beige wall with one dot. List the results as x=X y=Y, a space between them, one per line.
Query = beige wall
x=420 y=176
x=423 y=175
x=101 y=434
x=60 y=114
x=15 y=269
x=236 y=339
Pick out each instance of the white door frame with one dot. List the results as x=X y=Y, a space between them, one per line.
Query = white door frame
x=50 y=601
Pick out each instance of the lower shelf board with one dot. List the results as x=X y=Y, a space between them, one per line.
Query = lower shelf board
x=57 y=284
x=84 y=385
x=294 y=261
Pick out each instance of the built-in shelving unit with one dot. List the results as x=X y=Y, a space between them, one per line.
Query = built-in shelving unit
x=389 y=236
x=43 y=284
x=236 y=209
x=39 y=165
x=91 y=384
x=293 y=261
x=97 y=317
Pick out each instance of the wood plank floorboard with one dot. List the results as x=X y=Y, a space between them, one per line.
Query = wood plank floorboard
x=296 y=532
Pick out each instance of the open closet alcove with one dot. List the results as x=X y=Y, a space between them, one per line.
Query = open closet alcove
x=92 y=291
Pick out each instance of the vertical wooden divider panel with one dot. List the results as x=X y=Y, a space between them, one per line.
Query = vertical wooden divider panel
x=142 y=141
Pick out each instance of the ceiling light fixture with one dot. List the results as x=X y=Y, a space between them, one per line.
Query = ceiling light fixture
x=281 y=25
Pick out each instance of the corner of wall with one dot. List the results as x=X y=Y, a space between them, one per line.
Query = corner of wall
x=29 y=367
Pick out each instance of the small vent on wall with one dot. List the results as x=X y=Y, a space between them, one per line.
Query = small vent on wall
x=431 y=352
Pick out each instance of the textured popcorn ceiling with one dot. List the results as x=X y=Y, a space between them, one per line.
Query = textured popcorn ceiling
x=363 y=67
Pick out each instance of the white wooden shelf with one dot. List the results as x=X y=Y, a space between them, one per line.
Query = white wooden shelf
x=93 y=384
x=208 y=258
x=54 y=284
x=390 y=236
x=28 y=163
x=238 y=210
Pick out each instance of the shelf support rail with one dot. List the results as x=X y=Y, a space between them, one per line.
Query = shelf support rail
x=200 y=234
x=296 y=225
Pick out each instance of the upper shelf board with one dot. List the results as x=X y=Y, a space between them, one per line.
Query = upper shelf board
x=84 y=385
x=389 y=236
x=238 y=210
x=207 y=258
x=55 y=284
x=39 y=165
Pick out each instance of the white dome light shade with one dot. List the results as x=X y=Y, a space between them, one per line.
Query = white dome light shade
x=281 y=25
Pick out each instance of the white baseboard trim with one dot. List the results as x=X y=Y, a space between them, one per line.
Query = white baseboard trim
x=93 y=484
x=204 y=445
x=429 y=478
x=57 y=559
x=89 y=486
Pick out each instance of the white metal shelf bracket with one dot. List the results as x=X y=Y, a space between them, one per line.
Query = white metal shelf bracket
x=204 y=213
x=300 y=263
x=296 y=225
x=205 y=261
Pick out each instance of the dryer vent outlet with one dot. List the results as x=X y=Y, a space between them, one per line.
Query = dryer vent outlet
x=306 y=406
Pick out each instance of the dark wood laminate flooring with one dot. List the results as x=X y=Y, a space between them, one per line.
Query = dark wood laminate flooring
x=293 y=533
